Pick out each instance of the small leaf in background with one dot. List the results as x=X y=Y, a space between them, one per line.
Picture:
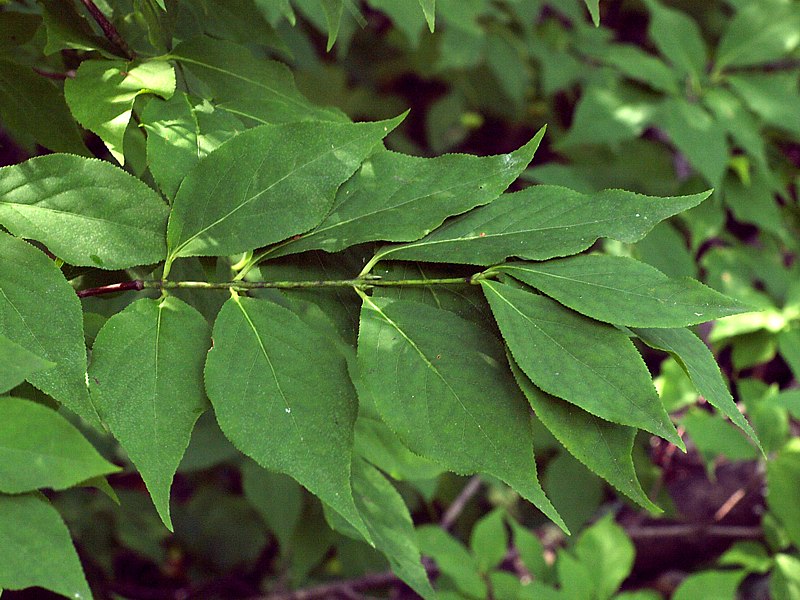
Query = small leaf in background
x=576 y=581
x=594 y=11
x=607 y=553
x=637 y=64
x=783 y=479
x=789 y=346
x=542 y=222
x=278 y=181
x=41 y=449
x=267 y=368
x=576 y=491
x=489 y=540
x=453 y=560
x=52 y=330
x=16 y=363
x=437 y=403
x=146 y=380
x=618 y=289
x=278 y=499
x=102 y=93
x=399 y=198
x=710 y=584
x=603 y=447
x=86 y=211
x=784 y=583
x=772 y=96
x=530 y=549
x=588 y=363
x=333 y=15
x=429 y=9
x=701 y=367
x=68 y=29
x=36 y=549
x=716 y=437
x=678 y=37
x=750 y=555
x=249 y=87
x=180 y=132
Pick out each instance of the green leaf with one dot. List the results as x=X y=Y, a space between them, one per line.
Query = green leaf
x=539 y=223
x=333 y=15
x=760 y=32
x=278 y=499
x=102 y=93
x=712 y=585
x=86 y=211
x=41 y=449
x=180 y=132
x=489 y=540
x=24 y=97
x=618 y=289
x=429 y=10
x=587 y=363
x=772 y=96
x=607 y=554
x=453 y=559
x=714 y=437
x=785 y=580
x=17 y=28
x=783 y=479
x=603 y=447
x=637 y=64
x=594 y=11
x=435 y=398
x=267 y=184
x=68 y=29
x=255 y=88
x=531 y=550
x=36 y=549
x=389 y=523
x=16 y=363
x=576 y=581
x=146 y=380
x=678 y=37
x=701 y=367
x=268 y=367
x=749 y=554
x=53 y=329
x=400 y=198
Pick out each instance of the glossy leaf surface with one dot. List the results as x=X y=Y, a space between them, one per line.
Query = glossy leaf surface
x=53 y=330
x=282 y=395
x=16 y=363
x=587 y=363
x=438 y=398
x=86 y=211
x=542 y=222
x=41 y=449
x=267 y=184
x=618 y=289
x=400 y=198
x=146 y=380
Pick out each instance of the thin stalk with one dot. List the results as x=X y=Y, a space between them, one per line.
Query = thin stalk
x=111 y=33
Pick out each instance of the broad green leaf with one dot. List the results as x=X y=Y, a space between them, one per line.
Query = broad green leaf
x=603 y=447
x=678 y=38
x=783 y=479
x=539 y=223
x=41 y=449
x=180 y=132
x=585 y=362
x=146 y=380
x=86 y=211
x=489 y=540
x=24 y=97
x=711 y=585
x=255 y=88
x=574 y=576
x=785 y=580
x=749 y=554
x=17 y=28
x=36 y=549
x=16 y=363
x=637 y=64
x=388 y=521
x=713 y=437
x=400 y=198
x=453 y=560
x=267 y=368
x=607 y=553
x=772 y=96
x=594 y=11
x=429 y=10
x=333 y=15
x=433 y=393
x=618 y=289
x=760 y=32
x=701 y=367
x=267 y=184
x=102 y=93
x=52 y=330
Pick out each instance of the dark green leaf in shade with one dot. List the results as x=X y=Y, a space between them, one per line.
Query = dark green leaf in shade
x=489 y=540
x=36 y=549
x=255 y=88
x=701 y=367
x=53 y=330
x=400 y=198
x=618 y=289
x=146 y=380
x=278 y=499
x=607 y=553
x=333 y=15
x=678 y=37
x=16 y=363
x=41 y=449
x=267 y=184
x=268 y=369
x=102 y=93
x=388 y=521
x=436 y=398
x=783 y=479
x=429 y=9
x=180 y=132
x=594 y=11
x=17 y=28
x=86 y=211
x=68 y=29
x=587 y=363
x=539 y=223
x=453 y=560
x=24 y=97
x=603 y=447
